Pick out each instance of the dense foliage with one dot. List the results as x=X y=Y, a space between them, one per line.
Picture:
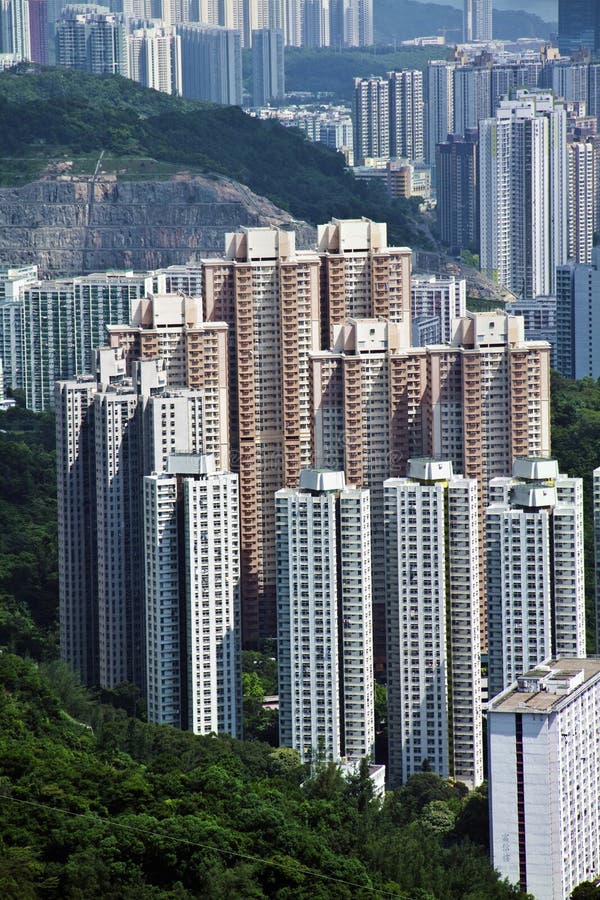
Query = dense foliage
x=328 y=70
x=66 y=114
x=576 y=445
x=28 y=542
x=131 y=810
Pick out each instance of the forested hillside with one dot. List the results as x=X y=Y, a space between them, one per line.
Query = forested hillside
x=136 y=811
x=70 y=116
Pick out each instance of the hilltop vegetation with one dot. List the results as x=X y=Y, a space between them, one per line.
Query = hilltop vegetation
x=332 y=71
x=130 y=810
x=66 y=114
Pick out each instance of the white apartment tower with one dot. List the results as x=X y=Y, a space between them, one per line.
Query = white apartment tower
x=443 y=298
x=523 y=193
x=582 y=160
x=477 y=20
x=111 y=432
x=406 y=114
x=432 y=581
x=371 y=119
x=596 y=496
x=192 y=596
x=324 y=628
x=534 y=569
x=154 y=57
x=544 y=778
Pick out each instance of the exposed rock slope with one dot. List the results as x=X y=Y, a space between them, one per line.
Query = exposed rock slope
x=73 y=225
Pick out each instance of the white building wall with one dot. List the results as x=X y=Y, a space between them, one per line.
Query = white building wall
x=162 y=601
x=212 y=562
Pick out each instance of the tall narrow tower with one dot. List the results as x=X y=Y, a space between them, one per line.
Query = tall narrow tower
x=192 y=596
x=535 y=575
x=432 y=576
x=477 y=20
x=324 y=628
x=268 y=293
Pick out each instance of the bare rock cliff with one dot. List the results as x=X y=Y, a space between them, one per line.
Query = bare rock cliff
x=73 y=225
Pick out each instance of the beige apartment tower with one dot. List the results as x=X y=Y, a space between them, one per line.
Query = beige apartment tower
x=479 y=402
x=268 y=293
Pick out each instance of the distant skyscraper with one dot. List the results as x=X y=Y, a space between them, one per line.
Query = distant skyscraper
x=315 y=23
x=371 y=110
x=472 y=101
x=324 y=632
x=351 y=23
x=523 y=193
x=535 y=576
x=92 y=39
x=268 y=82
x=457 y=206
x=439 y=107
x=568 y=80
x=14 y=28
x=506 y=78
x=432 y=587
x=544 y=778
x=154 y=57
x=578 y=26
x=192 y=596
x=211 y=64
x=578 y=319
x=406 y=114
x=38 y=31
x=477 y=20
x=582 y=165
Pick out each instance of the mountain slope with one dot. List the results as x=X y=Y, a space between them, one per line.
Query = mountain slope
x=66 y=114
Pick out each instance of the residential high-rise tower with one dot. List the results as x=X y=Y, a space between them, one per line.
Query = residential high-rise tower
x=432 y=586
x=324 y=631
x=534 y=569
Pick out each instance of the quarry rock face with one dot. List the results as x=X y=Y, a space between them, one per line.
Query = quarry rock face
x=75 y=225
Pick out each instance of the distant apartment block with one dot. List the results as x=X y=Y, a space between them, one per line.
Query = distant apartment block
x=578 y=319
x=441 y=298
x=211 y=64
x=457 y=173
x=268 y=78
x=93 y=39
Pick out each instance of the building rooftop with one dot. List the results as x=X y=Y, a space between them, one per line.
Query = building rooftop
x=548 y=687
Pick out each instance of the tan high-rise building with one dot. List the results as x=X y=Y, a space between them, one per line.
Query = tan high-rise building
x=480 y=402
x=361 y=277
x=268 y=293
